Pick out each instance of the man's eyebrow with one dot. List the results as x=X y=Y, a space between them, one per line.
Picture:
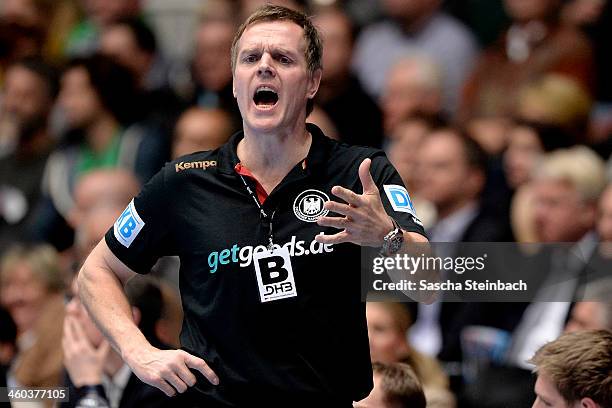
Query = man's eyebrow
x=250 y=50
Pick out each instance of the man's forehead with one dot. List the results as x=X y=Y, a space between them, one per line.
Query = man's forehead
x=284 y=34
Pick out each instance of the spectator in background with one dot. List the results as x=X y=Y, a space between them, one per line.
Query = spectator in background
x=47 y=21
x=97 y=97
x=30 y=87
x=8 y=344
x=595 y=311
x=31 y=289
x=451 y=173
x=132 y=43
x=527 y=142
x=575 y=370
x=534 y=44
x=212 y=72
x=556 y=100
x=413 y=85
x=415 y=27
x=395 y=386
x=340 y=94
x=112 y=188
x=388 y=325
x=604 y=222
x=565 y=189
x=403 y=148
x=84 y=37
x=201 y=129
x=96 y=372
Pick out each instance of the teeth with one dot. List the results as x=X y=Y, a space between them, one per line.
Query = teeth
x=265 y=88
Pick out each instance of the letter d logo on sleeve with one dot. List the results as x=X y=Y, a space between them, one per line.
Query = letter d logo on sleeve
x=128 y=225
x=274 y=274
x=400 y=200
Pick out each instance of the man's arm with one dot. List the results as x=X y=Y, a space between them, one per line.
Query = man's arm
x=101 y=282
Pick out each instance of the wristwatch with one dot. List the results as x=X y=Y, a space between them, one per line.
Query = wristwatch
x=393 y=241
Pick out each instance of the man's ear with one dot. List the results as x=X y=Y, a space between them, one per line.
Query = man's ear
x=136 y=315
x=233 y=86
x=315 y=81
x=588 y=403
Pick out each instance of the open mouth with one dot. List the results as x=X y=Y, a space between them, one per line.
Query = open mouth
x=265 y=97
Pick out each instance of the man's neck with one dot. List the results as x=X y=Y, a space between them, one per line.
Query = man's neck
x=270 y=157
x=101 y=131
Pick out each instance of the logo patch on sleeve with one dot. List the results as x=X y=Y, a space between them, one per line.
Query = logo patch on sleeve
x=128 y=225
x=400 y=200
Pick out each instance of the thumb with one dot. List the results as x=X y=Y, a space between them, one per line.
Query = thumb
x=367 y=182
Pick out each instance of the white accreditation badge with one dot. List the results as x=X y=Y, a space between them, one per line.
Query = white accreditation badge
x=274 y=274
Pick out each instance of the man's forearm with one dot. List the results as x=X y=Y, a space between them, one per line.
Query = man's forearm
x=102 y=294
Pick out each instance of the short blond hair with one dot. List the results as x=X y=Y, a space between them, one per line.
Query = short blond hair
x=579 y=166
x=400 y=385
x=579 y=364
x=42 y=260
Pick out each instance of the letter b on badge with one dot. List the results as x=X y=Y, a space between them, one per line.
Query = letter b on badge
x=274 y=275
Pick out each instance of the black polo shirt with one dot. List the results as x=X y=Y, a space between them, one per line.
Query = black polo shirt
x=309 y=347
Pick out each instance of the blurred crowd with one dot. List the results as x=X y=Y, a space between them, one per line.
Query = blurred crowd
x=496 y=113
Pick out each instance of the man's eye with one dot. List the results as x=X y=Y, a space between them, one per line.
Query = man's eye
x=284 y=60
x=250 y=58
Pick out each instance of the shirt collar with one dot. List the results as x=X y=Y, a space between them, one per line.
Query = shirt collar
x=317 y=155
x=115 y=386
x=452 y=228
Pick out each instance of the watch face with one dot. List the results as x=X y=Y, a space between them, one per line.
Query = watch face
x=396 y=243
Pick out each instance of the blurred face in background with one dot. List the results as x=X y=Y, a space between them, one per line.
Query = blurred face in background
x=406 y=140
x=22 y=294
x=386 y=341
x=199 y=130
x=104 y=12
x=560 y=213
x=443 y=175
x=604 y=223
x=78 y=99
x=524 y=149
x=409 y=89
x=212 y=60
x=527 y=10
x=586 y=316
x=335 y=30
x=22 y=12
x=26 y=96
x=118 y=42
x=408 y=9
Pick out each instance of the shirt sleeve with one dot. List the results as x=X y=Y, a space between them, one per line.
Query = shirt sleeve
x=394 y=195
x=141 y=235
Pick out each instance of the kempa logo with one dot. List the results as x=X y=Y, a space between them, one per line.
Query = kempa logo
x=195 y=165
x=308 y=206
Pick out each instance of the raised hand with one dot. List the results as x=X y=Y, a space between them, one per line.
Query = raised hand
x=363 y=219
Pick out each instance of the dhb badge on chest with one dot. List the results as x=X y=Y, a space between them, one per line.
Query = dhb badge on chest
x=274 y=274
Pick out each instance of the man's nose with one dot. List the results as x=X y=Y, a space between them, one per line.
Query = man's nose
x=265 y=66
